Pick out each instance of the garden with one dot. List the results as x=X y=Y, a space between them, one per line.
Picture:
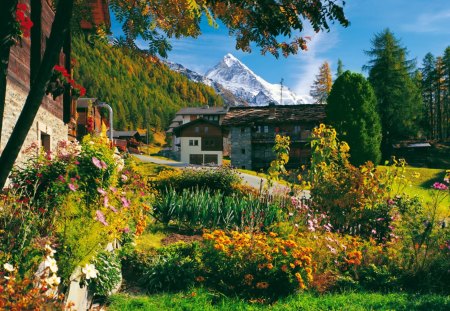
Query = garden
x=197 y=239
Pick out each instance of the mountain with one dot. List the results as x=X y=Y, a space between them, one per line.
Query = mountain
x=228 y=97
x=236 y=77
x=141 y=90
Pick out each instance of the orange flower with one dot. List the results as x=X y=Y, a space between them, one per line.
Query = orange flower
x=269 y=266
x=262 y=285
x=284 y=268
x=200 y=279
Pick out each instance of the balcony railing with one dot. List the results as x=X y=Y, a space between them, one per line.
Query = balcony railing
x=270 y=137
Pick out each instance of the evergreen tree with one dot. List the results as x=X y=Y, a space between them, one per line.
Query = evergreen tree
x=399 y=99
x=446 y=100
x=340 y=68
x=352 y=111
x=428 y=72
x=322 y=85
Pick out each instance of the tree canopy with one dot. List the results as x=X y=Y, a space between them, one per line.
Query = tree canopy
x=351 y=110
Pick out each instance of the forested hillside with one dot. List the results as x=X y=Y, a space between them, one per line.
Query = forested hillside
x=137 y=87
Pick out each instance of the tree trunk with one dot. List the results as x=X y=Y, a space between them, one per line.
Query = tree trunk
x=7 y=18
x=60 y=27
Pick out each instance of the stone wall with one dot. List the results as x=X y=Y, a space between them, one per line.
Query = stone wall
x=44 y=124
x=48 y=123
x=241 y=147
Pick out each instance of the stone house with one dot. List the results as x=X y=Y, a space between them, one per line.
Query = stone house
x=253 y=129
x=201 y=142
x=55 y=119
x=189 y=114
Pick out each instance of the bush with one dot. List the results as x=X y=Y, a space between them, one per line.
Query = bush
x=197 y=209
x=170 y=268
x=353 y=198
x=255 y=265
x=221 y=179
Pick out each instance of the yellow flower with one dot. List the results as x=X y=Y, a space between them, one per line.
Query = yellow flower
x=292 y=265
x=273 y=234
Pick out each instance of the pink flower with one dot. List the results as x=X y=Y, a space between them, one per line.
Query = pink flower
x=61 y=178
x=439 y=186
x=374 y=231
x=125 y=202
x=113 y=208
x=99 y=164
x=100 y=217
x=73 y=187
x=105 y=201
x=101 y=191
x=126 y=230
x=114 y=190
x=124 y=178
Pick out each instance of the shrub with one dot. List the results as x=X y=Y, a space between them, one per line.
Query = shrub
x=109 y=274
x=220 y=179
x=197 y=209
x=255 y=265
x=169 y=268
x=354 y=199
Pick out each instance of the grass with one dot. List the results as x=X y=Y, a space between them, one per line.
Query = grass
x=421 y=186
x=202 y=300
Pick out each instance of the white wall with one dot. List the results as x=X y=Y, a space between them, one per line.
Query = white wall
x=187 y=150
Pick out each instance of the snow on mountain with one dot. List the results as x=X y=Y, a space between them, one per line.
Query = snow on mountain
x=235 y=76
x=229 y=98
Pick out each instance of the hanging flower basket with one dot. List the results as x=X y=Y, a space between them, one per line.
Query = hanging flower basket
x=60 y=81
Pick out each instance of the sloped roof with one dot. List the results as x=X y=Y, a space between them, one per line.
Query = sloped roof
x=274 y=114
x=125 y=133
x=202 y=110
x=178 y=129
x=85 y=102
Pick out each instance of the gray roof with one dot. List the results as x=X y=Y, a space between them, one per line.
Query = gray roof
x=202 y=110
x=124 y=133
x=85 y=102
x=239 y=116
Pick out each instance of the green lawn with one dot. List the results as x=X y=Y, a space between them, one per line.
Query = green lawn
x=202 y=300
x=422 y=185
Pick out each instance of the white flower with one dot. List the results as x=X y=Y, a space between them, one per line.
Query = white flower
x=49 y=250
x=53 y=280
x=51 y=263
x=90 y=271
x=8 y=267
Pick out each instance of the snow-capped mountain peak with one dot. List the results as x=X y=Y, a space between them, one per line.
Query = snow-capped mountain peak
x=235 y=76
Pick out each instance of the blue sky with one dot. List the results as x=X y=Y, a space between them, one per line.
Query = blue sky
x=422 y=25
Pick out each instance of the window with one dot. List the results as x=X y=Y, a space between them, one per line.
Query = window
x=262 y=129
x=297 y=129
x=206 y=129
x=243 y=167
x=45 y=141
x=242 y=130
x=193 y=142
x=197 y=129
x=243 y=151
x=266 y=129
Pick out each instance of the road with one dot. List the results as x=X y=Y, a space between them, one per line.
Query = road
x=251 y=180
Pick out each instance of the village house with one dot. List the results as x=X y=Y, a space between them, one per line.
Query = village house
x=189 y=114
x=56 y=118
x=201 y=142
x=253 y=129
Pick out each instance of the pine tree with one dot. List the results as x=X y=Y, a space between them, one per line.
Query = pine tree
x=446 y=63
x=352 y=110
x=439 y=91
x=340 y=68
x=322 y=85
x=428 y=72
x=399 y=99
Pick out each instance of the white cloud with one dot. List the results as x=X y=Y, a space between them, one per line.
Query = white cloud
x=309 y=61
x=430 y=22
